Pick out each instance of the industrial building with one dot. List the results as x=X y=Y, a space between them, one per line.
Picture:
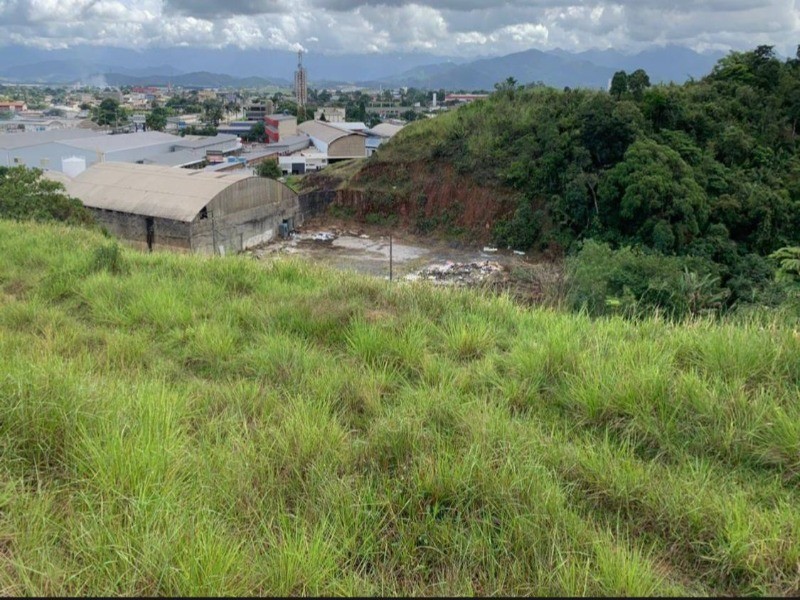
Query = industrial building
x=380 y=134
x=336 y=142
x=48 y=149
x=238 y=128
x=157 y=207
x=303 y=162
x=278 y=127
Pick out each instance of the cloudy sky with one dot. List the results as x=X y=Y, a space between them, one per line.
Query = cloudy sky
x=442 y=27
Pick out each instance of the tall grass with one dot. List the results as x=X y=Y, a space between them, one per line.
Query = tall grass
x=173 y=425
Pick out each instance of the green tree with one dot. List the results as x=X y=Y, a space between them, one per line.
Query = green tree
x=269 y=169
x=506 y=87
x=257 y=132
x=651 y=197
x=619 y=84
x=212 y=112
x=26 y=196
x=156 y=119
x=110 y=113
x=638 y=82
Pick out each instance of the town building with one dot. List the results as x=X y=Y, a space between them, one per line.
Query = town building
x=463 y=98
x=380 y=134
x=278 y=127
x=300 y=82
x=48 y=149
x=335 y=142
x=15 y=106
x=332 y=114
x=258 y=110
x=154 y=207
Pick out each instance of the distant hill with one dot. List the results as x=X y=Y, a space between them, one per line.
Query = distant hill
x=527 y=67
x=203 y=66
x=53 y=71
x=559 y=68
x=197 y=79
x=669 y=63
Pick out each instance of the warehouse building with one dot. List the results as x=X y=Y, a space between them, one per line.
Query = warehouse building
x=335 y=141
x=279 y=127
x=156 y=207
x=48 y=149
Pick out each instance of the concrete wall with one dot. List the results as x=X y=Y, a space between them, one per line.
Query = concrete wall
x=287 y=128
x=246 y=214
x=168 y=234
x=351 y=145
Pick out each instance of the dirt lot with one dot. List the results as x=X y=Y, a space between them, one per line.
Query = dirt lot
x=365 y=249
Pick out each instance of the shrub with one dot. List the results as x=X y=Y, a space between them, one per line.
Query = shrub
x=632 y=281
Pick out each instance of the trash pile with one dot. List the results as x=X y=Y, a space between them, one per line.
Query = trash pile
x=460 y=274
x=323 y=236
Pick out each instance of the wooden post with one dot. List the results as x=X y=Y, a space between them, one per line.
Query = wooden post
x=390 y=257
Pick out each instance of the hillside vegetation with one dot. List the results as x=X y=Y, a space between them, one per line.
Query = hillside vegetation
x=175 y=425
x=707 y=171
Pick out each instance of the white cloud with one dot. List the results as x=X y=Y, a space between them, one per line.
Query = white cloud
x=444 y=27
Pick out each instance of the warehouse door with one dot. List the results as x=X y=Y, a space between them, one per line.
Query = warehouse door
x=151 y=232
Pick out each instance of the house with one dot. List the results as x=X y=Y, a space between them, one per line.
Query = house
x=156 y=207
x=15 y=106
x=335 y=142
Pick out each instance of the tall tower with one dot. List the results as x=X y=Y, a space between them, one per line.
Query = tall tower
x=300 y=90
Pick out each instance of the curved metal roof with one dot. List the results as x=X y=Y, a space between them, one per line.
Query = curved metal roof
x=324 y=132
x=150 y=190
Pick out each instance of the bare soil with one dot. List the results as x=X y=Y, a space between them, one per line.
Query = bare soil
x=366 y=249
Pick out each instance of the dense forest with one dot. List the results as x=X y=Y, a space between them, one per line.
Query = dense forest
x=705 y=175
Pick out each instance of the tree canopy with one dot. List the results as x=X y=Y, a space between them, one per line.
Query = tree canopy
x=707 y=170
x=27 y=196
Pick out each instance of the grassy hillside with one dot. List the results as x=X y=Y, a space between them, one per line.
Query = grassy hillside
x=173 y=425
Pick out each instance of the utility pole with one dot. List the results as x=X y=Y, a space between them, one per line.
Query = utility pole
x=390 y=257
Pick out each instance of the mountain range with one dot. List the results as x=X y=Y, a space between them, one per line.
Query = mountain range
x=230 y=67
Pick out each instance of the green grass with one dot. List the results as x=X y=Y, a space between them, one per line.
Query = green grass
x=175 y=425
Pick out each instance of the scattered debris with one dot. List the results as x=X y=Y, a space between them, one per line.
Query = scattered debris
x=324 y=236
x=519 y=253
x=489 y=249
x=364 y=236
x=463 y=274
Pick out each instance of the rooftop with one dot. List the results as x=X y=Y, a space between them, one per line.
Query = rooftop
x=150 y=190
x=385 y=130
x=122 y=141
x=11 y=141
x=349 y=125
x=201 y=141
x=278 y=117
x=325 y=132
x=181 y=158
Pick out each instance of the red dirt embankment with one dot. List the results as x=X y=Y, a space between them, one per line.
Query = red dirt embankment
x=422 y=197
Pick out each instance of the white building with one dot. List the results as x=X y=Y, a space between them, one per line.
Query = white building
x=46 y=150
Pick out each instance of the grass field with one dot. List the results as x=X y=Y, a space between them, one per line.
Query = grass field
x=173 y=425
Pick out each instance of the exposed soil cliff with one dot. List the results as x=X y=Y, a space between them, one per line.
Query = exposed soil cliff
x=423 y=197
